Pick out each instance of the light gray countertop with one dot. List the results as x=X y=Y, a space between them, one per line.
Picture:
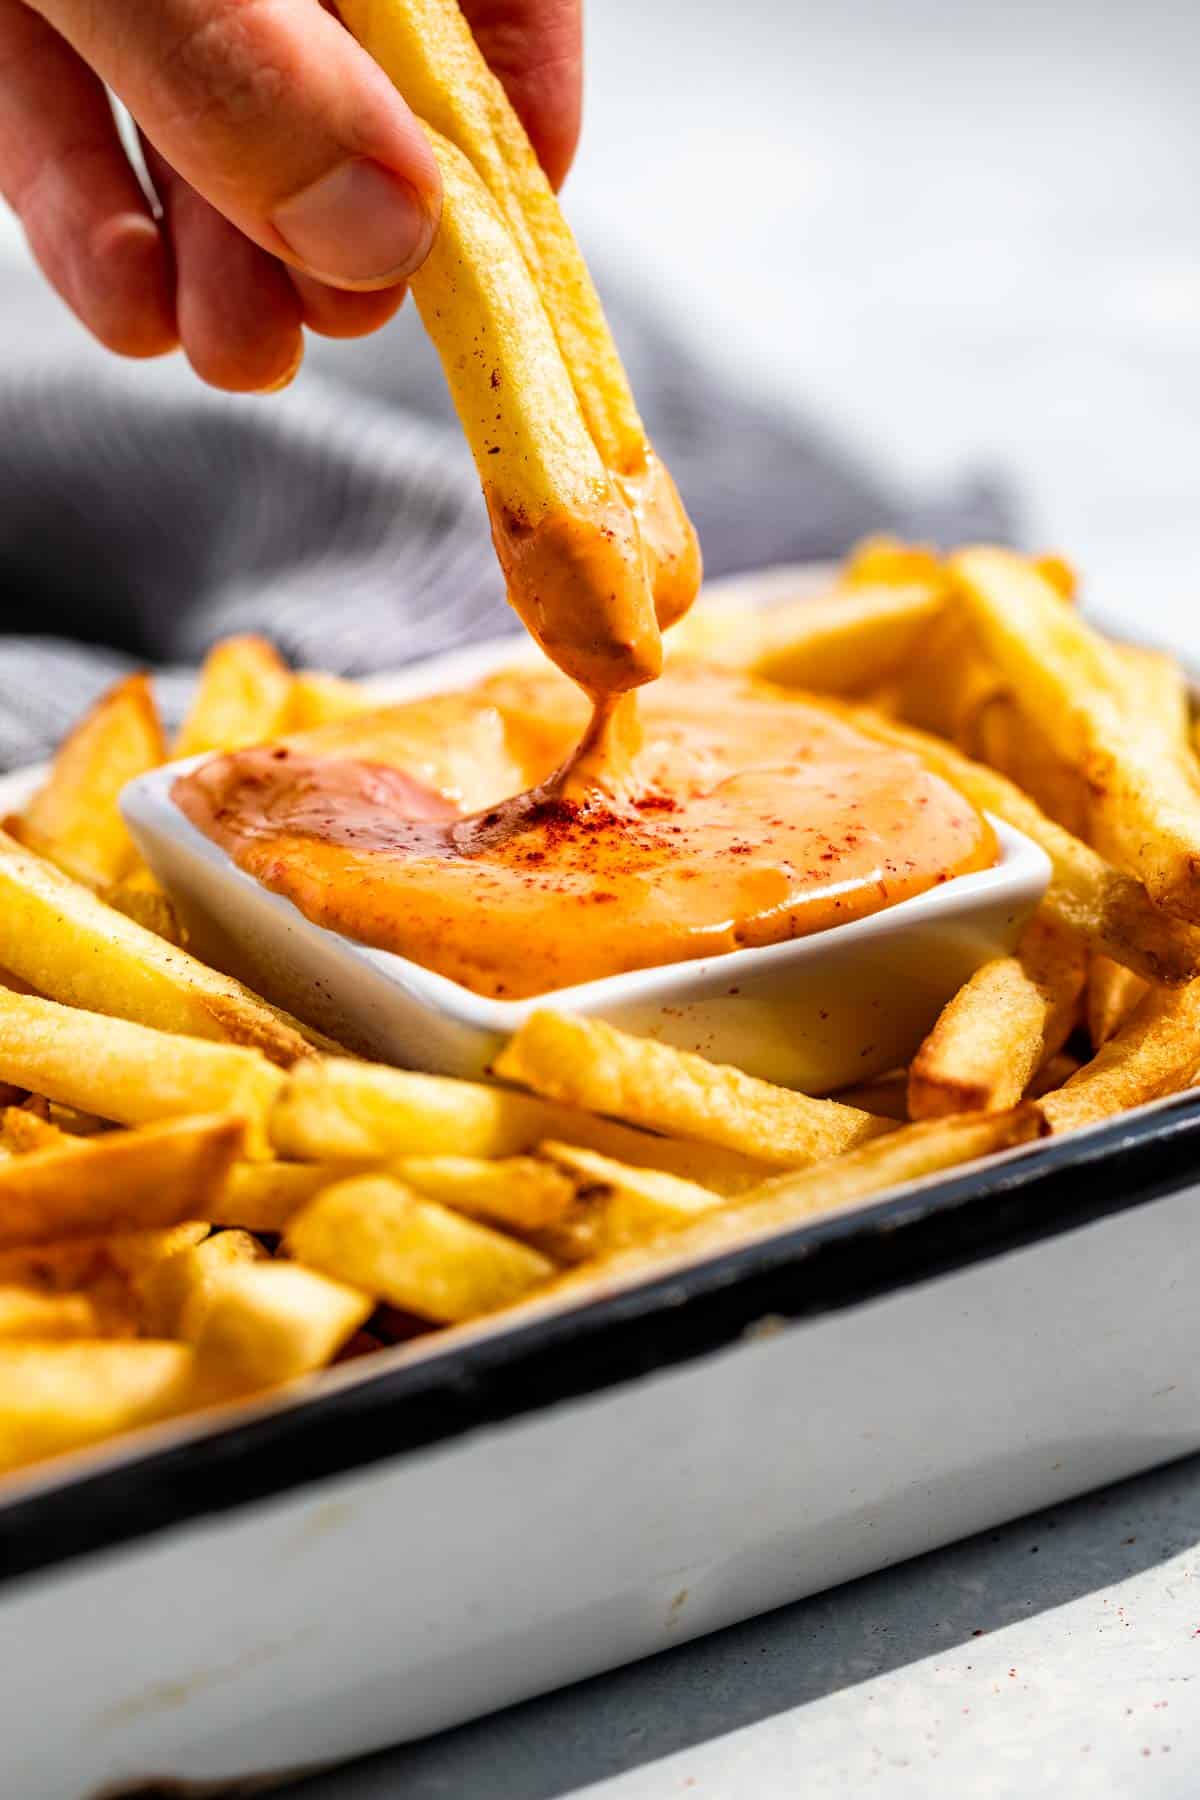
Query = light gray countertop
x=1052 y=1656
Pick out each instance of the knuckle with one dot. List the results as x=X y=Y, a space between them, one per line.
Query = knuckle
x=227 y=67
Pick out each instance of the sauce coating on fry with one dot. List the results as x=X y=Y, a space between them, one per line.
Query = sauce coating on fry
x=750 y=817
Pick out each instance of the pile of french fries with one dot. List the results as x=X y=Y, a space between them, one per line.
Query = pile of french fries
x=201 y=1198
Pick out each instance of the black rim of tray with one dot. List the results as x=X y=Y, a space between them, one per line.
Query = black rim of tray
x=811 y=1269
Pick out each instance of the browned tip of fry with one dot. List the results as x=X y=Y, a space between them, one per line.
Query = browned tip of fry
x=252 y=1023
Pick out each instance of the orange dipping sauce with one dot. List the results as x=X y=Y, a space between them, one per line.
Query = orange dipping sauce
x=752 y=817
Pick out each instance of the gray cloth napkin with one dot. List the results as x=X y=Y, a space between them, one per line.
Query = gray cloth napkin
x=142 y=516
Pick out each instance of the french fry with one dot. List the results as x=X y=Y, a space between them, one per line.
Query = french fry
x=174 y=1294
x=846 y=642
x=315 y=699
x=261 y=1323
x=123 y=1181
x=951 y=683
x=74 y=819
x=1112 y=995
x=886 y=1096
x=882 y=560
x=1109 y=910
x=109 y=1270
x=1155 y=693
x=1155 y=1052
x=618 y=1205
x=428 y=50
x=1145 y=800
x=521 y=1193
x=338 y=1111
x=22 y=1131
x=242 y=698
x=566 y=539
x=263 y=1196
x=1007 y=738
x=57 y=1397
x=136 y=1074
x=1053 y=1074
x=147 y=906
x=909 y=1154
x=64 y=942
x=1010 y=1017
x=376 y=1234
x=25 y=1313
x=585 y=1062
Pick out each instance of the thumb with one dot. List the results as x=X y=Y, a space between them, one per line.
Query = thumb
x=273 y=112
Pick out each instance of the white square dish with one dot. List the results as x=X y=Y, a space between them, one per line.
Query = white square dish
x=817 y=1012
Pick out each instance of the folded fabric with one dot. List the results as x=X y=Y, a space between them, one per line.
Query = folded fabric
x=142 y=516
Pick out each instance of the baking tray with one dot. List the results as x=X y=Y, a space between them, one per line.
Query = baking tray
x=416 y=1538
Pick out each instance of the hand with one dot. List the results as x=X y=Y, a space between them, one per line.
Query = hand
x=296 y=187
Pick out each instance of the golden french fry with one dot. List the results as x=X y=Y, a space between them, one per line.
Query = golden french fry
x=56 y=1397
x=1010 y=741
x=886 y=1096
x=338 y=1111
x=1145 y=800
x=26 y=1313
x=174 y=1293
x=1011 y=1016
x=74 y=819
x=108 y=1269
x=1155 y=693
x=1109 y=910
x=566 y=539
x=1155 y=1052
x=260 y=1323
x=585 y=1062
x=848 y=641
x=123 y=1181
x=263 y=1196
x=147 y=906
x=909 y=1154
x=57 y=936
x=379 y=1235
x=1052 y=1075
x=948 y=686
x=132 y=1072
x=315 y=699
x=242 y=698
x=430 y=53
x=1059 y=573
x=22 y=1130
x=618 y=1205
x=882 y=560
x=519 y=1192
x=1112 y=995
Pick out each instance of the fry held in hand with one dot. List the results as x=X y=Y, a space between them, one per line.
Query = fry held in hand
x=428 y=50
x=993 y=1036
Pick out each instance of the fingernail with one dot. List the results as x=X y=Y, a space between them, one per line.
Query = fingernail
x=358 y=226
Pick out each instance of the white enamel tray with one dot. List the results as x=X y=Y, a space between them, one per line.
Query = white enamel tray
x=416 y=1538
